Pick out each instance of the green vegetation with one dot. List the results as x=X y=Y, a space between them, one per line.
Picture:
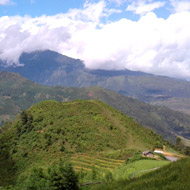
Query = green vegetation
x=183 y=145
x=102 y=144
x=174 y=103
x=97 y=167
x=93 y=136
x=174 y=176
x=57 y=177
x=137 y=168
x=17 y=94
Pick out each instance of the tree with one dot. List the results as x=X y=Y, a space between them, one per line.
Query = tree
x=37 y=180
x=109 y=177
x=179 y=144
x=24 y=117
x=63 y=177
x=59 y=177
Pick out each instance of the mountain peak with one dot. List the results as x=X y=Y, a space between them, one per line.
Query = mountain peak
x=8 y=75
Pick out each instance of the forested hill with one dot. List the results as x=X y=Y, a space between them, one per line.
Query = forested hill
x=51 y=130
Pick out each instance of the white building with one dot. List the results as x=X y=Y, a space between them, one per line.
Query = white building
x=158 y=151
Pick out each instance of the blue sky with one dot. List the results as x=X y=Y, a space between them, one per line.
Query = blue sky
x=36 y=8
x=142 y=35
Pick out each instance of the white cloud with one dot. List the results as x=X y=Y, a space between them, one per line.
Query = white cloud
x=5 y=2
x=118 y=2
x=151 y=44
x=142 y=7
x=180 y=6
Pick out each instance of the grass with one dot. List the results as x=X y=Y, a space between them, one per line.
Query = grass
x=173 y=176
x=126 y=171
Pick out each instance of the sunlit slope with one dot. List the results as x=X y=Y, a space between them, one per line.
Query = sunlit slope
x=51 y=130
x=174 y=176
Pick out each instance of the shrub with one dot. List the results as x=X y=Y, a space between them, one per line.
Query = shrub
x=59 y=177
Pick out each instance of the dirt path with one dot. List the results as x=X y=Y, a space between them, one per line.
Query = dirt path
x=136 y=173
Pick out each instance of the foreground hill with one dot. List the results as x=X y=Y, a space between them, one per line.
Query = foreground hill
x=18 y=93
x=51 y=68
x=51 y=130
x=174 y=176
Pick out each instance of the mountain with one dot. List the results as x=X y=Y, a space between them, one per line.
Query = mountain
x=18 y=93
x=51 y=130
x=51 y=68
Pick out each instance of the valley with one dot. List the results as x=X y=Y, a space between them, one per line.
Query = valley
x=162 y=120
x=95 y=95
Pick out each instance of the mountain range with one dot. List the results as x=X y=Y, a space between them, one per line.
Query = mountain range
x=45 y=127
x=52 y=69
x=18 y=93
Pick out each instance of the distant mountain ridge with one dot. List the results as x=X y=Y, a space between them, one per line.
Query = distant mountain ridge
x=51 y=68
x=18 y=93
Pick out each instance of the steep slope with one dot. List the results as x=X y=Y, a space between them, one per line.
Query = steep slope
x=51 y=68
x=17 y=93
x=174 y=176
x=51 y=130
x=48 y=67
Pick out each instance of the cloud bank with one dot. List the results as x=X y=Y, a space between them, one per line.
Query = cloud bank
x=180 y=5
x=142 y=7
x=151 y=44
x=5 y=2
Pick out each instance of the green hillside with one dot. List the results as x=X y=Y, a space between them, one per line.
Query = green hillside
x=79 y=131
x=171 y=177
x=18 y=93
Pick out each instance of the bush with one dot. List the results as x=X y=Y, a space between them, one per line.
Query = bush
x=37 y=180
x=58 y=177
x=137 y=156
x=109 y=177
x=63 y=177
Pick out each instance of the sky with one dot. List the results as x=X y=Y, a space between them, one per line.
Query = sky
x=141 y=35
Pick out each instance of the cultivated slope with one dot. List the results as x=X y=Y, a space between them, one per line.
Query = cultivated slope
x=174 y=176
x=51 y=130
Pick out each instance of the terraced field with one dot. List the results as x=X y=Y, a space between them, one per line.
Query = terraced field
x=94 y=165
x=97 y=168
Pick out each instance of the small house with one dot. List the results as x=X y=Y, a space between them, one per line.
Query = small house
x=159 y=151
x=148 y=153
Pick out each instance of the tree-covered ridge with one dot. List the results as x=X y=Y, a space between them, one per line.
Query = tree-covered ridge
x=51 y=130
x=18 y=93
